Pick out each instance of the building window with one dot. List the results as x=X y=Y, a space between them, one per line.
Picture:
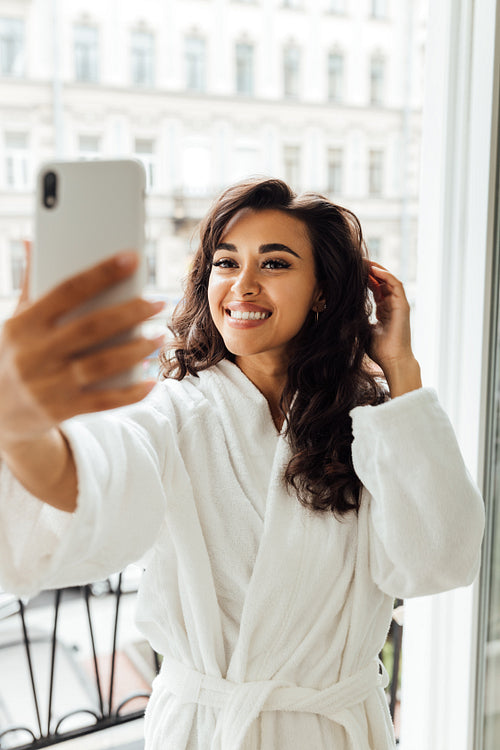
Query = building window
x=86 y=54
x=195 y=50
x=374 y=245
x=89 y=147
x=336 y=6
x=17 y=264
x=291 y=158
x=11 y=47
x=244 y=68
x=335 y=170
x=150 y=251
x=291 y=71
x=16 y=160
x=375 y=172
x=335 y=76
x=377 y=79
x=143 y=58
x=145 y=152
x=379 y=8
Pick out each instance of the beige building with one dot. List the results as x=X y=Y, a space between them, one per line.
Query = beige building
x=323 y=93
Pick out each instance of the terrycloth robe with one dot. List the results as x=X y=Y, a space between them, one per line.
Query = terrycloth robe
x=270 y=616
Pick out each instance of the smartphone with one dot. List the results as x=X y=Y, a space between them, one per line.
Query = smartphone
x=85 y=212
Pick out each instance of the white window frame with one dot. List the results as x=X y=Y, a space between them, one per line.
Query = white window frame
x=246 y=76
x=86 y=50
x=12 y=61
x=292 y=59
x=195 y=56
x=17 y=162
x=456 y=222
x=142 y=57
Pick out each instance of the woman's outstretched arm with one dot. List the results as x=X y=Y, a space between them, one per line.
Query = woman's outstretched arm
x=49 y=370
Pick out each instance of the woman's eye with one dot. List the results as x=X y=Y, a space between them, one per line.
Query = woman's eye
x=275 y=263
x=224 y=263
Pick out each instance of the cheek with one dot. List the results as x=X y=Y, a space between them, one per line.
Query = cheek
x=214 y=294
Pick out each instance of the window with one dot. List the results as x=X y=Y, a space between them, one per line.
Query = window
x=145 y=152
x=11 y=47
x=291 y=71
x=375 y=172
x=374 y=245
x=196 y=168
x=336 y=6
x=244 y=68
x=89 y=146
x=16 y=160
x=195 y=50
x=335 y=170
x=377 y=79
x=378 y=8
x=86 y=54
x=335 y=76
x=291 y=158
x=143 y=58
x=150 y=250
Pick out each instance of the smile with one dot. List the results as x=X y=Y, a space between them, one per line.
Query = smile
x=241 y=315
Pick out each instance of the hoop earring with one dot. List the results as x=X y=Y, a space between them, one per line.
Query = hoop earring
x=316 y=316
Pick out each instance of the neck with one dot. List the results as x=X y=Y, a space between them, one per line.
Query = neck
x=270 y=378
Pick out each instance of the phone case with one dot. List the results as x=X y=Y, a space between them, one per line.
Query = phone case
x=97 y=210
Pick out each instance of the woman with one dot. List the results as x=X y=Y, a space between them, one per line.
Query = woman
x=283 y=498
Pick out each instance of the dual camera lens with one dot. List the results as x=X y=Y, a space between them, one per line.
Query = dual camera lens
x=49 y=189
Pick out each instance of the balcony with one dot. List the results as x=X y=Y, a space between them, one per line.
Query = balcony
x=76 y=673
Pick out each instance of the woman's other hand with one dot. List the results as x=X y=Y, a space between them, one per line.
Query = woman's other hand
x=391 y=341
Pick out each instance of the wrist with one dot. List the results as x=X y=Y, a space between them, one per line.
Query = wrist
x=403 y=376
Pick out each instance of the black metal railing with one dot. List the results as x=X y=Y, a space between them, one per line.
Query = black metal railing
x=102 y=712
x=49 y=728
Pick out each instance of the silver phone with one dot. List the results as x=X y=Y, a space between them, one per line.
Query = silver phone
x=85 y=212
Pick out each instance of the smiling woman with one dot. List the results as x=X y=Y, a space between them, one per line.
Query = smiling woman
x=300 y=264
x=283 y=498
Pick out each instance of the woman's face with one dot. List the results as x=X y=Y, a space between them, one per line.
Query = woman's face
x=262 y=283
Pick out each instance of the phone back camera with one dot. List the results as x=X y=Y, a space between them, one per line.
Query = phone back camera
x=49 y=189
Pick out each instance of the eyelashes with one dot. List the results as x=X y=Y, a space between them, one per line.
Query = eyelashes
x=269 y=263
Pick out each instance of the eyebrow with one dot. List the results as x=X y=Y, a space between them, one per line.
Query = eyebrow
x=271 y=247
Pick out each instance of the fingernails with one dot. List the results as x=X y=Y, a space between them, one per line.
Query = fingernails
x=126 y=259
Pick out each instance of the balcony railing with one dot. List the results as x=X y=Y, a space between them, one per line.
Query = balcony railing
x=38 y=666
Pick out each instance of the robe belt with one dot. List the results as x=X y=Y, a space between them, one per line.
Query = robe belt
x=241 y=703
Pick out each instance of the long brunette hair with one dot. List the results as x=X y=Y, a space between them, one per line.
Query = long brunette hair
x=328 y=371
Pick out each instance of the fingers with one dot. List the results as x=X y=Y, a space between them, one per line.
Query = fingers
x=101 y=325
x=82 y=287
x=89 y=370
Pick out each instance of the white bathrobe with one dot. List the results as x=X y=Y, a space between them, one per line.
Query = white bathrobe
x=270 y=616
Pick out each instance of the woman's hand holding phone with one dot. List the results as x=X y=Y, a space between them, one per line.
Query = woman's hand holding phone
x=52 y=367
x=51 y=370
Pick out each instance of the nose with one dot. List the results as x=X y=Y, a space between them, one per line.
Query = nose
x=246 y=282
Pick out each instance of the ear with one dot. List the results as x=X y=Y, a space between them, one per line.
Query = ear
x=319 y=302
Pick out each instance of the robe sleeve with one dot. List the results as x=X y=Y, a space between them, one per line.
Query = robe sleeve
x=425 y=513
x=120 y=458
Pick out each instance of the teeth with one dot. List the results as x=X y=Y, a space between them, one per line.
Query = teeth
x=248 y=315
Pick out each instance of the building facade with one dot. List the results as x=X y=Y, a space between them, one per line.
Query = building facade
x=325 y=94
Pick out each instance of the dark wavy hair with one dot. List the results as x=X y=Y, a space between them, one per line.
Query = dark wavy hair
x=329 y=371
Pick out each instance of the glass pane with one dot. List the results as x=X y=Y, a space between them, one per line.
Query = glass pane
x=491 y=568
x=11 y=47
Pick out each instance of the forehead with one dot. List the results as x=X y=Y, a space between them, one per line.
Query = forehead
x=267 y=226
